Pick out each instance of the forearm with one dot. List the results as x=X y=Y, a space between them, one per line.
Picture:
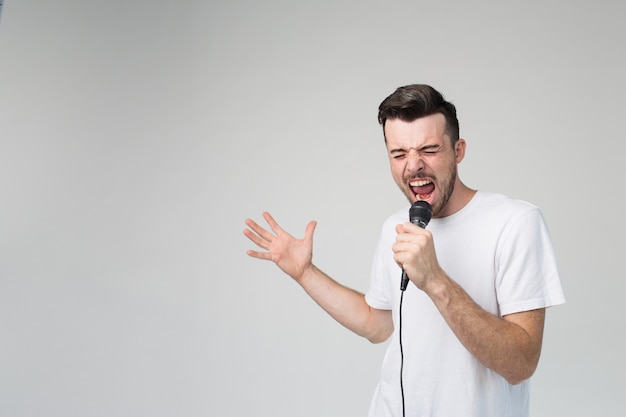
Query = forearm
x=346 y=306
x=510 y=346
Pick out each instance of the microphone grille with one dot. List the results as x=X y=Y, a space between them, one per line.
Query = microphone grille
x=420 y=213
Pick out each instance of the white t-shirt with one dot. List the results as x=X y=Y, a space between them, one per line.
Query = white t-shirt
x=499 y=250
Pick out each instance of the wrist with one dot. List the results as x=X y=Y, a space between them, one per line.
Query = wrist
x=439 y=287
x=308 y=272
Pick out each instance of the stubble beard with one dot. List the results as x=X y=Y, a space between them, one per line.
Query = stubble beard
x=447 y=189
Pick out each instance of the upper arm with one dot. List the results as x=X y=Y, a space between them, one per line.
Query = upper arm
x=380 y=324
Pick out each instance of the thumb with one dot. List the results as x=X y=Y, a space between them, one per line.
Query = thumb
x=310 y=229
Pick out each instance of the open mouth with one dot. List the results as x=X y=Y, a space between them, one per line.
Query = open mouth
x=422 y=189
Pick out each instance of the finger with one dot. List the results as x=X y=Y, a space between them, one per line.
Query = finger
x=401 y=247
x=404 y=237
x=259 y=255
x=259 y=230
x=403 y=232
x=273 y=225
x=409 y=230
x=407 y=227
x=400 y=258
x=259 y=241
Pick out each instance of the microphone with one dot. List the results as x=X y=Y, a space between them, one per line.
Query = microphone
x=420 y=214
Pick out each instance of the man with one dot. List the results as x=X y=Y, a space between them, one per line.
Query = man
x=483 y=274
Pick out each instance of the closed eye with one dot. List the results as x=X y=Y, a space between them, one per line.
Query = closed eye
x=430 y=149
x=424 y=150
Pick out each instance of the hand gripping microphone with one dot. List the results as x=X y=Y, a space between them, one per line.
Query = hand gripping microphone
x=420 y=214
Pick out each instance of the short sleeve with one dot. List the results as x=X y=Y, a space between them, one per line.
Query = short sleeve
x=527 y=275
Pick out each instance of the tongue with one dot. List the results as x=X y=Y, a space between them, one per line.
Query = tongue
x=424 y=189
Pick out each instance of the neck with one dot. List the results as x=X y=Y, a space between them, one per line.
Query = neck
x=460 y=197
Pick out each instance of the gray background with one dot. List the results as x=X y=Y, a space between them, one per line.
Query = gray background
x=136 y=137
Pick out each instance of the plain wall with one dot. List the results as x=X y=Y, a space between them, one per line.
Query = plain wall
x=136 y=137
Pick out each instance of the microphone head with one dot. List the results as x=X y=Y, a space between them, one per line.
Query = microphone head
x=420 y=213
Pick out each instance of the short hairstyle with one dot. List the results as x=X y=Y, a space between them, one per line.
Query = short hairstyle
x=414 y=101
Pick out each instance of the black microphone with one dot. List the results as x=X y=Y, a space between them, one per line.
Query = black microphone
x=420 y=214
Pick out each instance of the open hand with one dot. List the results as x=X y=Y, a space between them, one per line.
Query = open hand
x=293 y=256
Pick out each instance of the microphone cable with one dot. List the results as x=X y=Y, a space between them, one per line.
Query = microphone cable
x=420 y=214
x=401 y=354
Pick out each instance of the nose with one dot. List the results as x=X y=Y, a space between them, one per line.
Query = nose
x=415 y=163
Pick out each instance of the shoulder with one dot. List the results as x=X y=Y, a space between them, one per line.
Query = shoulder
x=500 y=215
x=495 y=204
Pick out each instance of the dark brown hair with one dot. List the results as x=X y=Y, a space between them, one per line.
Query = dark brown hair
x=411 y=102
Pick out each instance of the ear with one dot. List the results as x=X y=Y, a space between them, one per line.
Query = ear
x=459 y=149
